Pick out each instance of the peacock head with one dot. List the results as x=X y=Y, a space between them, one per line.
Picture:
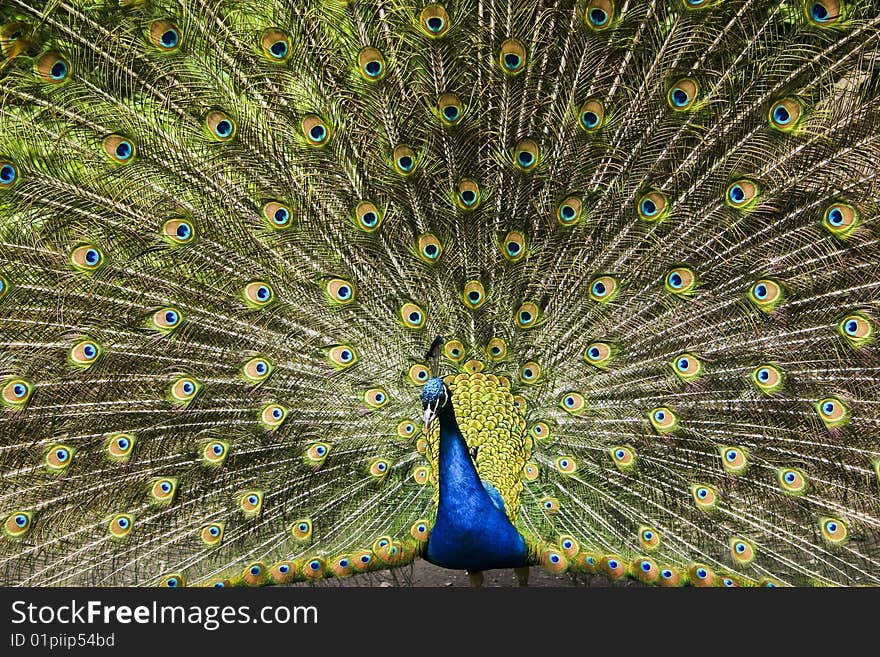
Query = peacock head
x=435 y=397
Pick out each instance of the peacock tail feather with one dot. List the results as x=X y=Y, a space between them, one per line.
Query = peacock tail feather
x=646 y=230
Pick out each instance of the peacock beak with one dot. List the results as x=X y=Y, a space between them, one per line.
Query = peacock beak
x=430 y=414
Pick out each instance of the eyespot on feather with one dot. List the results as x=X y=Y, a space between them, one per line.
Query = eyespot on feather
x=604 y=288
x=53 y=68
x=742 y=552
x=833 y=412
x=251 y=503
x=687 y=367
x=120 y=525
x=653 y=206
x=768 y=378
x=178 y=231
x=375 y=397
x=220 y=126
x=272 y=416
x=683 y=94
x=214 y=453
x=16 y=392
x=58 y=458
x=591 y=115
x=278 y=215
x=572 y=403
x=316 y=454
x=119 y=149
x=792 y=481
x=434 y=21
x=649 y=538
x=18 y=524
x=526 y=155
x=496 y=349
x=256 y=370
x=162 y=490
x=119 y=446
x=530 y=373
x=371 y=64
x=429 y=248
x=412 y=316
x=624 y=457
x=823 y=13
x=705 y=497
x=841 y=220
x=512 y=57
x=467 y=195
x=450 y=109
x=275 y=44
x=568 y=211
x=680 y=281
x=766 y=294
x=165 y=35
x=599 y=14
x=454 y=350
x=315 y=130
x=84 y=353
x=785 y=114
x=212 y=534
x=166 y=320
x=527 y=315
x=9 y=176
x=473 y=296
x=663 y=419
x=742 y=194
x=857 y=328
x=184 y=389
x=367 y=217
x=404 y=160
x=258 y=294
x=734 y=460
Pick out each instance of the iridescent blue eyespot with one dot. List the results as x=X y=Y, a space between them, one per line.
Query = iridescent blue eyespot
x=781 y=115
x=123 y=150
x=598 y=17
x=169 y=38
x=525 y=158
x=8 y=174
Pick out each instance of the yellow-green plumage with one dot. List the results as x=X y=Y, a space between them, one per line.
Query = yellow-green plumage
x=230 y=230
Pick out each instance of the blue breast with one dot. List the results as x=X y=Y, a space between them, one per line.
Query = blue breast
x=472 y=531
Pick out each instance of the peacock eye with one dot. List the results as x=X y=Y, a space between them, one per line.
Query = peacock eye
x=599 y=14
x=451 y=109
x=315 y=130
x=841 y=219
x=434 y=20
x=823 y=12
x=8 y=174
x=512 y=57
x=682 y=94
x=165 y=35
x=530 y=372
x=592 y=115
x=653 y=206
x=371 y=64
x=52 y=68
x=604 y=288
x=525 y=154
x=785 y=114
x=413 y=316
x=404 y=158
x=275 y=44
x=568 y=211
x=473 y=295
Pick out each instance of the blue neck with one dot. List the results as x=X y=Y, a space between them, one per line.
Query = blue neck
x=471 y=531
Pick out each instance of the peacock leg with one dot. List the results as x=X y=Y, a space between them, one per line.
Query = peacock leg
x=476 y=577
x=522 y=575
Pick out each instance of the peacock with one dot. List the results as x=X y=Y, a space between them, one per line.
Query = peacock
x=302 y=289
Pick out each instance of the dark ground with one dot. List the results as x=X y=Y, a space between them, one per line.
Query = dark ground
x=422 y=573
